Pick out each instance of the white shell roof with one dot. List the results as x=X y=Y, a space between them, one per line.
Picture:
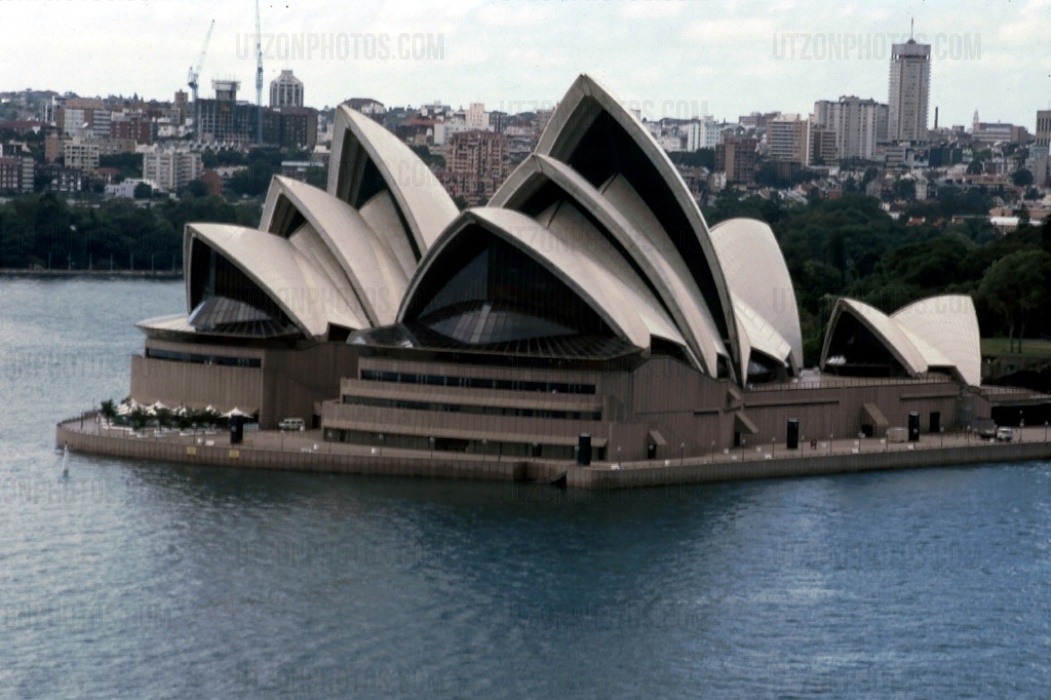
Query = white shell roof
x=372 y=268
x=947 y=324
x=939 y=331
x=342 y=266
x=758 y=276
x=570 y=228
x=761 y=336
x=665 y=271
x=895 y=340
x=169 y=322
x=341 y=309
x=275 y=266
x=423 y=201
x=567 y=125
x=568 y=257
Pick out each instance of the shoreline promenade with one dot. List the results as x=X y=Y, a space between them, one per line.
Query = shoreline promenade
x=307 y=452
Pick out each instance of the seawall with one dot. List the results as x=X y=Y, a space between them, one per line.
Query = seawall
x=817 y=465
x=715 y=468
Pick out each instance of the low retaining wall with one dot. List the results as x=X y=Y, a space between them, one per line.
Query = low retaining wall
x=440 y=466
x=645 y=476
x=595 y=477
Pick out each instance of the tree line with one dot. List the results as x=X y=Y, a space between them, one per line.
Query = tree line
x=46 y=231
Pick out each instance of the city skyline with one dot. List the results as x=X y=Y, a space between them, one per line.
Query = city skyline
x=671 y=59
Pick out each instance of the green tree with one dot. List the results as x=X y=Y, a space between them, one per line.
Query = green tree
x=196 y=188
x=905 y=188
x=255 y=179
x=1022 y=178
x=1023 y=215
x=41 y=181
x=1015 y=285
x=434 y=160
x=142 y=191
x=129 y=164
x=702 y=157
x=108 y=409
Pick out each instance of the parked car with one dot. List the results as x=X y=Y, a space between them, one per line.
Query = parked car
x=1004 y=434
x=985 y=428
x=291 y=424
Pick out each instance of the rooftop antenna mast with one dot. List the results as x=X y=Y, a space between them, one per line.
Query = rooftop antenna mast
x=258 y=77
x=195 y=73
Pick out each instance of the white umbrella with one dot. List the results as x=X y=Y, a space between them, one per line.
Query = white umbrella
x=235 y=411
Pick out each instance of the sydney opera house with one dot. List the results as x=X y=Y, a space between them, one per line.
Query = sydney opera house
x=588 y=297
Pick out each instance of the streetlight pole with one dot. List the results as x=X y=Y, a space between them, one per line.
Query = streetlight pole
x=431 y=440
x=682 y=453
x=773 y=447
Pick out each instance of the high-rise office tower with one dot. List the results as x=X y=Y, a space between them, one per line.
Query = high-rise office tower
x=910 y=85
x=286 y=90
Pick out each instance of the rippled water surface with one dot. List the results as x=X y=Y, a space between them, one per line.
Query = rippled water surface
x=156 y=580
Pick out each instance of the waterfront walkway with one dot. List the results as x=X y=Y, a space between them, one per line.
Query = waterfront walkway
x=306 y=451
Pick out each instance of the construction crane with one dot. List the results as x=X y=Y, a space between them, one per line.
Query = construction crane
x=258 y=77
x=195 y=73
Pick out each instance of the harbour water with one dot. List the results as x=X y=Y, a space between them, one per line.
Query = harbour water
x=155 y=580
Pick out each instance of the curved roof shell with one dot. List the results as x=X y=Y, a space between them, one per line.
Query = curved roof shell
x=948 y=325
x=652 y=259
x=271 y=263
x=368 y=161
x=591 y=132
x=939 y=331
x=761 y=336
x=368 y=265
x=889 y=334
x=571 y=258
x=757 y=274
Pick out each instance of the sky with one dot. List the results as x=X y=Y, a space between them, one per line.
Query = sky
x=676 y=58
